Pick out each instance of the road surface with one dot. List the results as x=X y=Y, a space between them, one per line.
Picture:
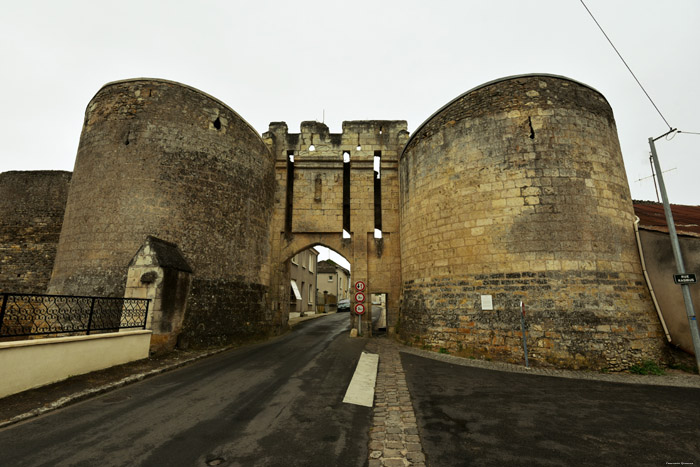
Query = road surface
x=272 y=404
x=476 y=417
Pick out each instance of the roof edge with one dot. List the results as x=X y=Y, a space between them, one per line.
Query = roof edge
x=186 y=86
x=489 y=83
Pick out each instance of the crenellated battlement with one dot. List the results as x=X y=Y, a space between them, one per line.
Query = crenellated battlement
x=359 y=137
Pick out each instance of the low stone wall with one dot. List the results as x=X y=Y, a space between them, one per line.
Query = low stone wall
x=32 y=363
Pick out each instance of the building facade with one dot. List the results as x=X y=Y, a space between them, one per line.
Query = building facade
x=302 y=283
x=333 y=281
x=660 y=265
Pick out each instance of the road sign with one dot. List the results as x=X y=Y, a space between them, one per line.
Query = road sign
x=360 y=286
x=685 y=279
x=359 y=297
x=360 y=308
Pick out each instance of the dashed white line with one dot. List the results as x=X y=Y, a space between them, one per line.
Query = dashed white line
x=361 y=388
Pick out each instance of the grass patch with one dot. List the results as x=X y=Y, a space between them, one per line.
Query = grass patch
x=443 y=350
x=647 y=367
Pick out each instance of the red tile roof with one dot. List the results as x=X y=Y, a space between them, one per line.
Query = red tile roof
x=651 y=216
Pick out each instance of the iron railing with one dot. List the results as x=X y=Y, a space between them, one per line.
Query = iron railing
x=35 y=314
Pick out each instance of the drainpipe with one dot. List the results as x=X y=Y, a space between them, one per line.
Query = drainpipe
x=646 y=277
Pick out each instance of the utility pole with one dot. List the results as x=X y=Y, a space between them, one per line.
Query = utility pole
x=692 y=321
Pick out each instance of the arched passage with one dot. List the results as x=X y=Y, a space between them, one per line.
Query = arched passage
x=319 y=280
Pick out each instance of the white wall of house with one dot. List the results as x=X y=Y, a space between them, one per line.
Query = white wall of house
x=37 y=362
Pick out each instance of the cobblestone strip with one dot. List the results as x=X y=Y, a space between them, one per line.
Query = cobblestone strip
x=394 y=439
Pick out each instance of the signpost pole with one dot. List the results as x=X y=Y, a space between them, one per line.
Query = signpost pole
x=359 y=304
x=692 y=320
x=522 y=328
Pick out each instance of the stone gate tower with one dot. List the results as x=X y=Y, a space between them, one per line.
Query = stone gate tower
x=514 y=191
x=340 y=191
x=523 y=196
x=163 y=159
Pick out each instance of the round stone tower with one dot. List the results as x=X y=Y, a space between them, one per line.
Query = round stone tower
x=516 y=191
x=161 y=158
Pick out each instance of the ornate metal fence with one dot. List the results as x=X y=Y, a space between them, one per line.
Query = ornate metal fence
x=31 y=315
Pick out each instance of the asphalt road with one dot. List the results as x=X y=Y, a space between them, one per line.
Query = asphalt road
x=272 y=404
x=476 y=417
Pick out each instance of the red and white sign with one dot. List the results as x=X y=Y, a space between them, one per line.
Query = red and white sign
x=360 y=286
x=359 y=297
x=360 y=308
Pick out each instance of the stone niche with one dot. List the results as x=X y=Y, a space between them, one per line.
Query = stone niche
x=159 y=272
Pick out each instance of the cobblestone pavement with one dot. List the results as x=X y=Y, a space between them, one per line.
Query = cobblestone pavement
x=394 y=439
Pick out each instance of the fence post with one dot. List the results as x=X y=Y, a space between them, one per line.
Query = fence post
x=2 y=310
x=145 y=317
x=92 y=307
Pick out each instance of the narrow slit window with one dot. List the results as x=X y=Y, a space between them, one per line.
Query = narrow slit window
x=290 y=194
x=346 y=194
x=377 y=194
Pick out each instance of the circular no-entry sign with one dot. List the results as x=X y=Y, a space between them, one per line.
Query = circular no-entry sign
x=360 y=286
x=360 y=308
x=359 y=297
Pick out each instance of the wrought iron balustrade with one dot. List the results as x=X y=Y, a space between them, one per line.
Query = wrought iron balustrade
x=33 y=315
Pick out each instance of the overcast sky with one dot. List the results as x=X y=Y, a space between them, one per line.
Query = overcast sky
x=357 y=60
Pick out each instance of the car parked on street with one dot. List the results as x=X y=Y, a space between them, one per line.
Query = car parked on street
x=344 y=304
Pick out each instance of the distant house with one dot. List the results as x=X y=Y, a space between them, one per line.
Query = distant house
x=660 y=264
x=302 y=274
x=333 y=281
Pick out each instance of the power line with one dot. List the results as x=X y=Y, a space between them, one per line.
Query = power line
x=688 y=132
x=623 y=61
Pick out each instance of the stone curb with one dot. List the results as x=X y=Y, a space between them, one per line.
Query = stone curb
x=687 y=380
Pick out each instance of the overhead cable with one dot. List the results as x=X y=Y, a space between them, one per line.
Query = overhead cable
x=623 y=61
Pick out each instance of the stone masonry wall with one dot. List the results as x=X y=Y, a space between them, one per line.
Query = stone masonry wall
x=517 y=190
x=163 y=159
x=31 y=215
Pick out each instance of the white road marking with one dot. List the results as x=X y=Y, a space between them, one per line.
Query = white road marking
x=361 y=388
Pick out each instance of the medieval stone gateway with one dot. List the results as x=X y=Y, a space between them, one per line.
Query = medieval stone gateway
x=514 y=191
